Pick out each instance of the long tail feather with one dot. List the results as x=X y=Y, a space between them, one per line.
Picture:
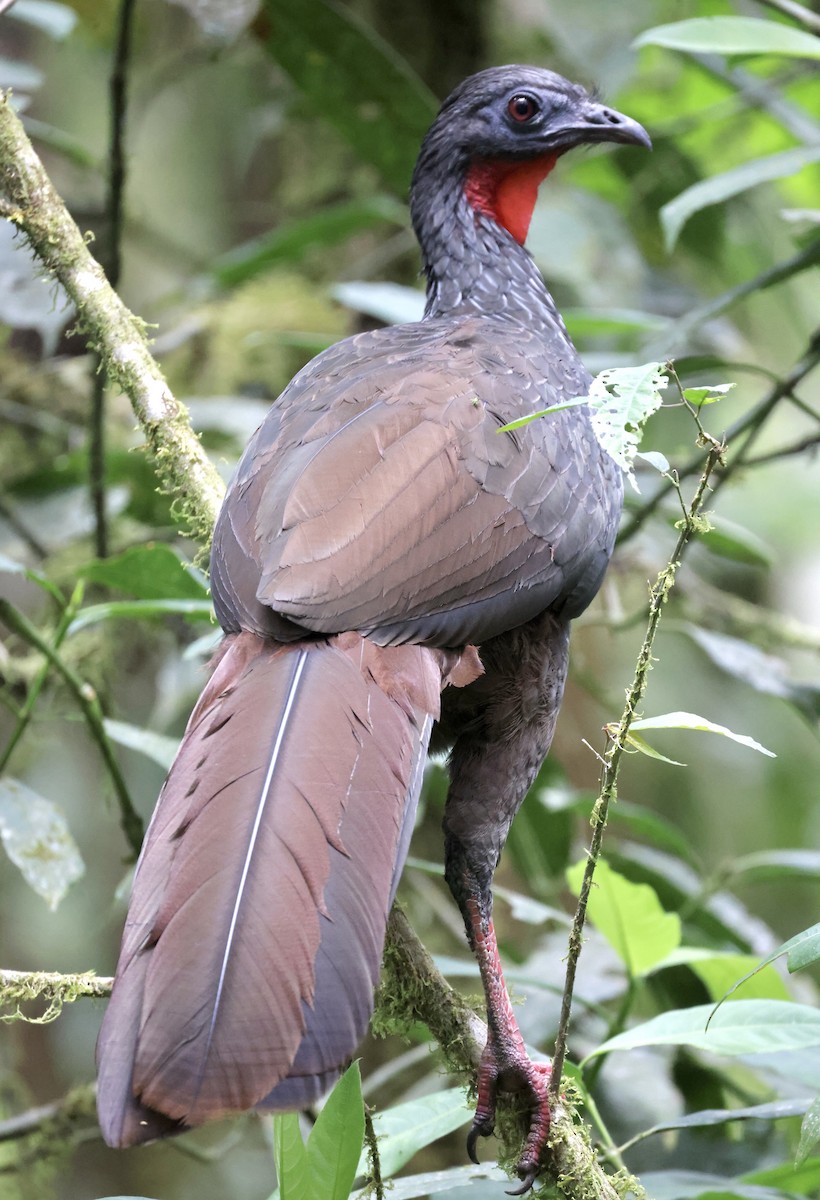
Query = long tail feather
x=256 y=923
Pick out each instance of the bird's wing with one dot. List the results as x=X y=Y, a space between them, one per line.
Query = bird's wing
x=380 y=495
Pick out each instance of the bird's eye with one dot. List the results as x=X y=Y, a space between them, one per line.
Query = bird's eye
x=522 y=108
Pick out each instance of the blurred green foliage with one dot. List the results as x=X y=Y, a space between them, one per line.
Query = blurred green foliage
x=269 y=150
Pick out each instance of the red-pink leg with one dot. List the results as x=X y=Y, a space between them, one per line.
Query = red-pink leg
x=505 y=1064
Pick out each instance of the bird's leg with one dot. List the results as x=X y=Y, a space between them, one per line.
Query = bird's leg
x=494 y=760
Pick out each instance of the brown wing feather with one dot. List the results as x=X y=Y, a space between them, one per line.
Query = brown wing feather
x=289 y=755
x=385 y=499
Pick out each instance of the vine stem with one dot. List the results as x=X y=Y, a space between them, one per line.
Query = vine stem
x=658 y=596
x=86 y=698
x=118 y=93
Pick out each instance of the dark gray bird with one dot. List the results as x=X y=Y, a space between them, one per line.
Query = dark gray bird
x=379 y=529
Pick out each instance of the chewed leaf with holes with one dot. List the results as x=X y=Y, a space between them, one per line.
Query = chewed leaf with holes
x=38 y=841
x=622 y=399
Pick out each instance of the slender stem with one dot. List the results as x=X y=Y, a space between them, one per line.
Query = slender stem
x=792 y=9
x=612 y=762
x=56 y=1118
x=36 y=685
x=118 y=94
x=376 y=1183
x=680 y=333
x=86 y=698
x=752 y=420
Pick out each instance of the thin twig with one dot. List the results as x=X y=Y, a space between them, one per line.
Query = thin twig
x=372 y=1142
x=33 y=205
x=806 y=443
x=113 y=214
x=24 y=716
x=792 y=9
x=609 y=776
x=55 y=1118
x=752 y=422
x=86 y=698
x=681 y=331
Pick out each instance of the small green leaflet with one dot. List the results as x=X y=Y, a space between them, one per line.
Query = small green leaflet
x=326 y=1166
x=630 y=916
x=809 y=1132
x=732 y=35
x=685 y=720
x=744 y=1027
x=707 y=395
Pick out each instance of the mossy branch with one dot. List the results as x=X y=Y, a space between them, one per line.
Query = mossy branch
x=413 y=988
x=29 y=201
x=19 y=987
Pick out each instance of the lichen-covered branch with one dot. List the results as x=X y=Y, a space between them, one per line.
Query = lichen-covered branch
x=658 y=596
x=412 y=987
x=28 y=199
x=20 y=987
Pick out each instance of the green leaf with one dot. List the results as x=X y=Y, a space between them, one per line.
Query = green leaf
x=335 y=1141
x=637 y=743
x=803 y=949
x=37 y=839
x=699 y=396
x=723 y=974
x=774 y=1110
x=731 y=35
x=355 y=81
x=630 y=917
x=717 y=188
x=155 y=746
x=152 y=572
x=655 y=459
x=407 y=1128
x=732 y=541
x=802 y=1180
x=764 y=672
x=809 y=1132
x=777 y=864
x=433 y=1183
x=622 y=400
x=195 y=610
x=291 y=1159
x=687 y=720
x=745 y=1027
x=292 y=240
x=686 y=1185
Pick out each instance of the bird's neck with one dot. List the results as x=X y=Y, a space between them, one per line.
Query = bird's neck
x=471 y=220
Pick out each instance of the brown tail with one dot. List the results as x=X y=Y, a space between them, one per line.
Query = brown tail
x=256 y=924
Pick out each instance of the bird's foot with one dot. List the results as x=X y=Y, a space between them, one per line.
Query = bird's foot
x=513 y=1071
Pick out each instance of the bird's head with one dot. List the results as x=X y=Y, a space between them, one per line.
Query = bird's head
x=505 y=128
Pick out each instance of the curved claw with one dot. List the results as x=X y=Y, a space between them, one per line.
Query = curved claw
x=527 y=1182
x=472 y=1138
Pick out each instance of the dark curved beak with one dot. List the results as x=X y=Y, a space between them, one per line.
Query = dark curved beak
x=595 y=122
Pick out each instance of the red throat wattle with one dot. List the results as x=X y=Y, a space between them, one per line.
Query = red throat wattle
x=507 y=191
